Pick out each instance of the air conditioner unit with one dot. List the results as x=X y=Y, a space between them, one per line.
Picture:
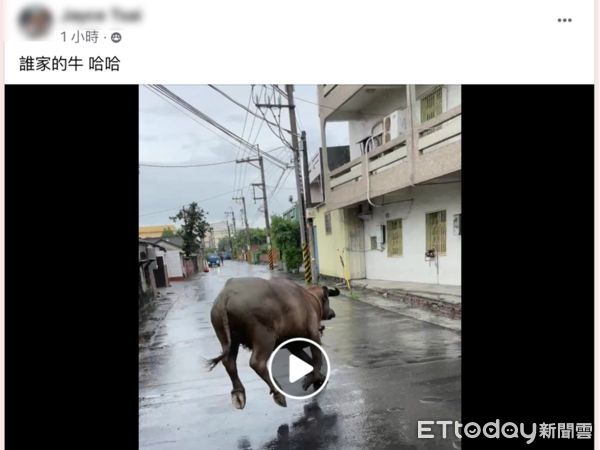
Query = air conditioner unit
x=393 y=125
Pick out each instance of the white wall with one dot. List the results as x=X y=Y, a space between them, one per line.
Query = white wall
x=172 y=259
x=385 y=103
x=411 y=266
x=454 y=96
x=392 y=100
x=316 y=193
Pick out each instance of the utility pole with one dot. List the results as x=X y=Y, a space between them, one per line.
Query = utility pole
x=233 y=220
x=305 y=169
x=263 y=187
x=308 y=203
x=243 y=199
x=232 y=214
x=308 y=277
x=299 y=188
x=230 y=241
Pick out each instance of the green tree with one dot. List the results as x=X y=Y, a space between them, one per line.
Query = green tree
x=239 y=241
x=258 y=236
x=223 y=244
x=168 y=232
x=286 y=237
x=193 y=228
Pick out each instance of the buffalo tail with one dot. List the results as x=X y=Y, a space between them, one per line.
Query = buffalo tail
x=211 y=363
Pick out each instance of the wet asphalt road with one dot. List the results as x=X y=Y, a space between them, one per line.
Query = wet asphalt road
x=388 y=371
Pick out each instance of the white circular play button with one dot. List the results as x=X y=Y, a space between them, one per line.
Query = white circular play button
x=299 y=368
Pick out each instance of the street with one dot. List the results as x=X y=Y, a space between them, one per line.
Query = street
x=388 y=371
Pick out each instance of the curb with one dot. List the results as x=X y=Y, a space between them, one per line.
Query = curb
x=438 y=306
x=151 y=317
x=446 y=309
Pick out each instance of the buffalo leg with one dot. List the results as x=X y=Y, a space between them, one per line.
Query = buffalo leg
x=316 y=362
x=298 y=351
x=315 y=378
x=263 y=344
x=229 y=356
x=238 y=394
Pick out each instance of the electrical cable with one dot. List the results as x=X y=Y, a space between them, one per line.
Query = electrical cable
x=181 y=166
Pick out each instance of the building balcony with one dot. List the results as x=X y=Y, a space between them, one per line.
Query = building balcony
x=314 y=168
x=398 y=163
x=342 y=102
x=333 y=96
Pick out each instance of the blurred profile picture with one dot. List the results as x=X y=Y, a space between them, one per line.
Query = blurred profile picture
x=35 y=21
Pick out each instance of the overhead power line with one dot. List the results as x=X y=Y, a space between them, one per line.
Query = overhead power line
x=183 y=110
x=278 y=134
x=235 y=170
x=177 y=207
x=244 y=107
x=179 y=166
x=243 y=150
x=365 y=113
x=179 y=101
x=280 y=184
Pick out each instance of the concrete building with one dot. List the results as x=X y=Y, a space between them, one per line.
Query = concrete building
x=154 y=231
x=171 y=254
x=152 y=271
x=292 y=213
x=389 y=208
x=219 y=231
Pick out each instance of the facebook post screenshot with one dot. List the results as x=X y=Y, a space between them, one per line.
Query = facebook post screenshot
x=348 y=225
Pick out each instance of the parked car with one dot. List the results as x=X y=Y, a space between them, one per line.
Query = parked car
x=213 y=260
x=227 y=255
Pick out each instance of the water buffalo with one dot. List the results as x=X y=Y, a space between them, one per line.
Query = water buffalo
x=261 y=314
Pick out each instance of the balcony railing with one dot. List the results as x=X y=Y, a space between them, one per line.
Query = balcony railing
x=387 y=155
x=351 y=171
x=431 y=135
x=439 y=130
x=380 y=159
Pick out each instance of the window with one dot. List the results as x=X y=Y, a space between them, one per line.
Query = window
x=373 y=242
x=431 y=105
x=328 y=223
x=436 y=231
x=394 y=237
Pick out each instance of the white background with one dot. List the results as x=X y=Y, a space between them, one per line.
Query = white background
x=451 y=42
x=380 y=41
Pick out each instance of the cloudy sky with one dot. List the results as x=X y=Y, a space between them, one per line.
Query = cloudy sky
x=170 y=136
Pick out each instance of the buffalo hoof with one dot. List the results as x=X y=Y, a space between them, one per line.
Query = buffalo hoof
x=308 y=380
x=318 y=383
x=238 y=399
x=313 y=380
x=279 y=398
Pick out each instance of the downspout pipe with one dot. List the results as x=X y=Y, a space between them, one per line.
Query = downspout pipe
x=409 y=102
x=367 y=149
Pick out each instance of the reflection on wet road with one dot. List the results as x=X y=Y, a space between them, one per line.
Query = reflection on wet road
x=387 y=372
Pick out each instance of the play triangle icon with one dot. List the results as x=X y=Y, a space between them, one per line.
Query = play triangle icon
x=298 y=368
